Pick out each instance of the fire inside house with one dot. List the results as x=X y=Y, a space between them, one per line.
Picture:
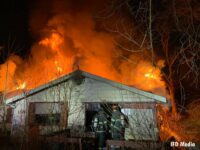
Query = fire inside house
x=139 y=56
x=71 y=101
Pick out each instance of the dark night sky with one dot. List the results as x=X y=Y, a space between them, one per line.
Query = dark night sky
x=14 y=27
x=15 y=24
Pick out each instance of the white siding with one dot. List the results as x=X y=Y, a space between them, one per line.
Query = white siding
x=96 y=91
x=47 y=108
x=76 y=115
x=2 y=115
x=90 y=90
x=141 y=124
x=19 y=116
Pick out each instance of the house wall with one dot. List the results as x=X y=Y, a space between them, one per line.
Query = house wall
x=5 y=118
x=2 y=115
x=96 y=91
x=74 y=95
x=19 y=117
x=142 y=125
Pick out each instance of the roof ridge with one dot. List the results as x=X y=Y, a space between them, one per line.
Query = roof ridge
x=89 y=75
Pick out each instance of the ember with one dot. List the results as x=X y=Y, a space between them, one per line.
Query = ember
x=21 y=86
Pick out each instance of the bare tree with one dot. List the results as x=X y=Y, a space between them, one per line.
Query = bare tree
x=6 y=52
x=170 y=34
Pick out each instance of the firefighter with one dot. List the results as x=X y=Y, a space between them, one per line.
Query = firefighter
x=100 y=127
x=117 y=126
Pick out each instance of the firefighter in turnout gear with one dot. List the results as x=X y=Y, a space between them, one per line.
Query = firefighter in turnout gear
x=100 y=126
x=117 y=126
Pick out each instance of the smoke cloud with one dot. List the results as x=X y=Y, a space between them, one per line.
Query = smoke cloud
x=67 y=37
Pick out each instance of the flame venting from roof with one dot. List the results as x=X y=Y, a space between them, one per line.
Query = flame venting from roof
x=69 y=41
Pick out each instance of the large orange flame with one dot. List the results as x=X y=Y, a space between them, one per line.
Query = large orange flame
x=70 y=41
x=49 y=62
x=21 y=86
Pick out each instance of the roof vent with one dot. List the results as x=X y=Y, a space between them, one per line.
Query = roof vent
x=78 y=77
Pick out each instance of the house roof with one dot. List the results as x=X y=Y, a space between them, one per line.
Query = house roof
x=78 y=74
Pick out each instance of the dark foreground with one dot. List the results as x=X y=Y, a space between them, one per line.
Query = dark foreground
x=63 y=143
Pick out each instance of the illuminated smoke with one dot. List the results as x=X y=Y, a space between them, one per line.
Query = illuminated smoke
x=68 y=40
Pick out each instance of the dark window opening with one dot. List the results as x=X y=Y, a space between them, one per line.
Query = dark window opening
x=47 y=119
x=44 y=113
x=9 y=115
x=92 y=109
x=107 y=107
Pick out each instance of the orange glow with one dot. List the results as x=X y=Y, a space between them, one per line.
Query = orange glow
x=59 y=69
x=170 y=133
x=74 y=44
x=21 y=86
x=149 y=75
x=53 y=42
x=69 y=42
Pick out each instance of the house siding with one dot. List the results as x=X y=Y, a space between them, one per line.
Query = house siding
x=19 y=118
x=74 y=95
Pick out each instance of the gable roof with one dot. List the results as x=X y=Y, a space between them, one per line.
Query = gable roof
x=78 y=74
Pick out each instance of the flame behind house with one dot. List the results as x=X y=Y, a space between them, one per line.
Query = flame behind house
x=68 y=41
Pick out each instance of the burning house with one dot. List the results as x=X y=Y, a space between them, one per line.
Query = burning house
x=70 y=102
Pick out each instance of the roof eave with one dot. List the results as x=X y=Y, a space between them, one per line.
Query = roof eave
x=66 y=77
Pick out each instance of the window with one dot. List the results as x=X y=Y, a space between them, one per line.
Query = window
x=141 y=123
x=47 y=119
x=45 y=113
x=92 y=109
